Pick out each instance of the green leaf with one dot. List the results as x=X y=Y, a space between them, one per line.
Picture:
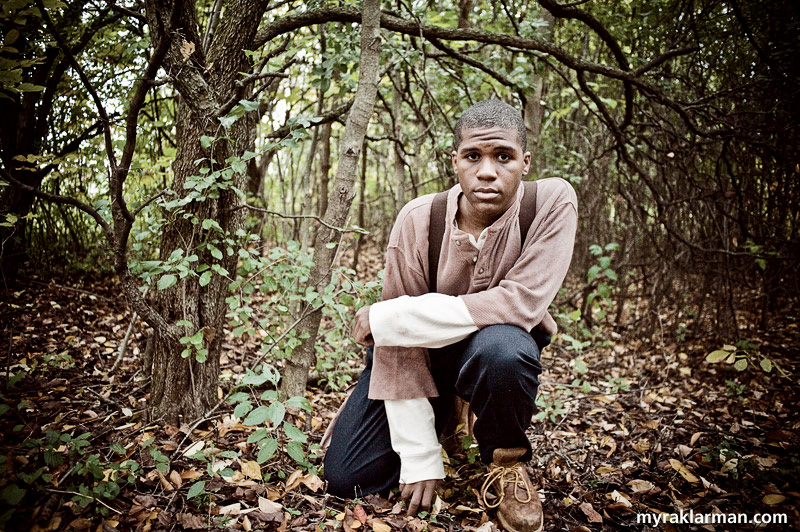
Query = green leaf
x=276 y=413
x=205 y=278
x=299 y=402
x=216 y=253
x=269 y=447
x=257 y=436
x=13 y=494
x=238 y=397
x=197 y=488
x=205 y=141
x=242 y=409
x=293 y=433
x=741 y=364
x=330 y=245
x=248 y=105
x=257 y=416
x=166 y=281
x=611 y=274
x=717 y=356
x=295 y=450
x=766 y=364
x=228 y=120
x=580 y=366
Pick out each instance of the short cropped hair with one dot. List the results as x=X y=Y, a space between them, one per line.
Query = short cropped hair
x=491 y=113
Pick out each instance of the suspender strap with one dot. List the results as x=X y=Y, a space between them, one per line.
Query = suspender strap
x=527 y=212
x=435 y=236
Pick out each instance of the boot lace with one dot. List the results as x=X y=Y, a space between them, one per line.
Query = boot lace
x=503 y=474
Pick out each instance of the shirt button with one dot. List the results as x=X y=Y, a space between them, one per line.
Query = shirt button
x=480 y=271
x=458 y=242
x=475 y=258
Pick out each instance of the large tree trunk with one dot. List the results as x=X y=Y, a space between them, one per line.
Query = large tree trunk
x=183 y=388
x=295 y=374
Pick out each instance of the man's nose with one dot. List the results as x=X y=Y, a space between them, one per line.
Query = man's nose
x=486 y=169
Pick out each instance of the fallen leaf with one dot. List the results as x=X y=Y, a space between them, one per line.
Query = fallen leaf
x=685 y=473
x=773 y=499
x=194 y=448
x=175 y=479
x=360 y=514
x=191 y=474
x=694 y=438
x=619 y=498
x=251 y=469
x=638 y=485
x=380 y=526
x=591 y=514
x=231 y=509
x=268 y=507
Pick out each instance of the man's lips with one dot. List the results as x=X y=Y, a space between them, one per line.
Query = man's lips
x=485 y=193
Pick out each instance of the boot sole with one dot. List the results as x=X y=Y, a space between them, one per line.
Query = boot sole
x=512 y=529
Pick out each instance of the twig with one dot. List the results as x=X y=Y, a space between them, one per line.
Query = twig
x=311 y=216
x=95 y=499
x=62 y=287
x=113 y=402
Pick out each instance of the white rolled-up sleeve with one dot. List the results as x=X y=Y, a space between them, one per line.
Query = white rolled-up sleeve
x=413 y=434
x=430 y=320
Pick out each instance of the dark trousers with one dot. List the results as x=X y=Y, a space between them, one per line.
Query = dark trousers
x=496 y=370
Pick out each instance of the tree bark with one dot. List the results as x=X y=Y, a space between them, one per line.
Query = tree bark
x=183 y=389
x=533 y=111
x=295 y=374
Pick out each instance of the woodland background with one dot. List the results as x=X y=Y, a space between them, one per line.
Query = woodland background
x=195 y=198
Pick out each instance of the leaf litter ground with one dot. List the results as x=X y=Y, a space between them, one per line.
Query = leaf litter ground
x=629 y=427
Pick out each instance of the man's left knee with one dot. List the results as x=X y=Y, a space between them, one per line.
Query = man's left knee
x=506 y=349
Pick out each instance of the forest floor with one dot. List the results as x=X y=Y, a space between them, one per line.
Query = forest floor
x=630 y=428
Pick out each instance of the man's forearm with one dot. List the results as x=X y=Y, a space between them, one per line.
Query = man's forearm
x=430 y=320
x=413 y=434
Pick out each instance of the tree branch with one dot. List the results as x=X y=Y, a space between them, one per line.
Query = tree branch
x=84 y=79
x=66 y=200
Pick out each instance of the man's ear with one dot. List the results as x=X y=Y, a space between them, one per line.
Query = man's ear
x=454 y=157
x=527 y=160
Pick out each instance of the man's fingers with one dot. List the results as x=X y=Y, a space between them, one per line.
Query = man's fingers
x=429 y=496
x=416 y=496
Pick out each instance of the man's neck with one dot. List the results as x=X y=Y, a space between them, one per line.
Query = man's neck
x=468 y=221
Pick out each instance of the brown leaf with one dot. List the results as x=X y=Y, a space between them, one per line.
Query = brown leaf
x=379 y=526
x=175 y=479
x=251 y=469
x=685 y=473
x=773 y=499
x=187 y=49
x=591 y=515
x=268 y=507
x=360 y=514
x=293 y=482
x=191 y=521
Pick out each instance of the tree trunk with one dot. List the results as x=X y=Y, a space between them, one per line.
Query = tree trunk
x=295 y=374
x=184 y=389
x=533 y=111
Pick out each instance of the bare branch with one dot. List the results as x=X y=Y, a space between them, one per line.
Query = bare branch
x=66 y=200
x=84 y=79
x=301 y=216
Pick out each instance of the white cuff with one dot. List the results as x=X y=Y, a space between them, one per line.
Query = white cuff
x=429 y=320
x=413 y=434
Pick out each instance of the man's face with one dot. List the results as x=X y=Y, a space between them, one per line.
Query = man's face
x=489 y=164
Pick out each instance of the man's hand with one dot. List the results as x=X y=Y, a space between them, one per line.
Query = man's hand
x=419 y=495
x=360 y=330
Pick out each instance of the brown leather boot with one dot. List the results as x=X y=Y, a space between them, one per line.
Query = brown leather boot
x=518 y=506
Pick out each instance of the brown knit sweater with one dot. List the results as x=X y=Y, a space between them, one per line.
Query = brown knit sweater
x=498 y=284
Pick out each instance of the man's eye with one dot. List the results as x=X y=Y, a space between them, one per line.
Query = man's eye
x=472 y=156
x=503 y=157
